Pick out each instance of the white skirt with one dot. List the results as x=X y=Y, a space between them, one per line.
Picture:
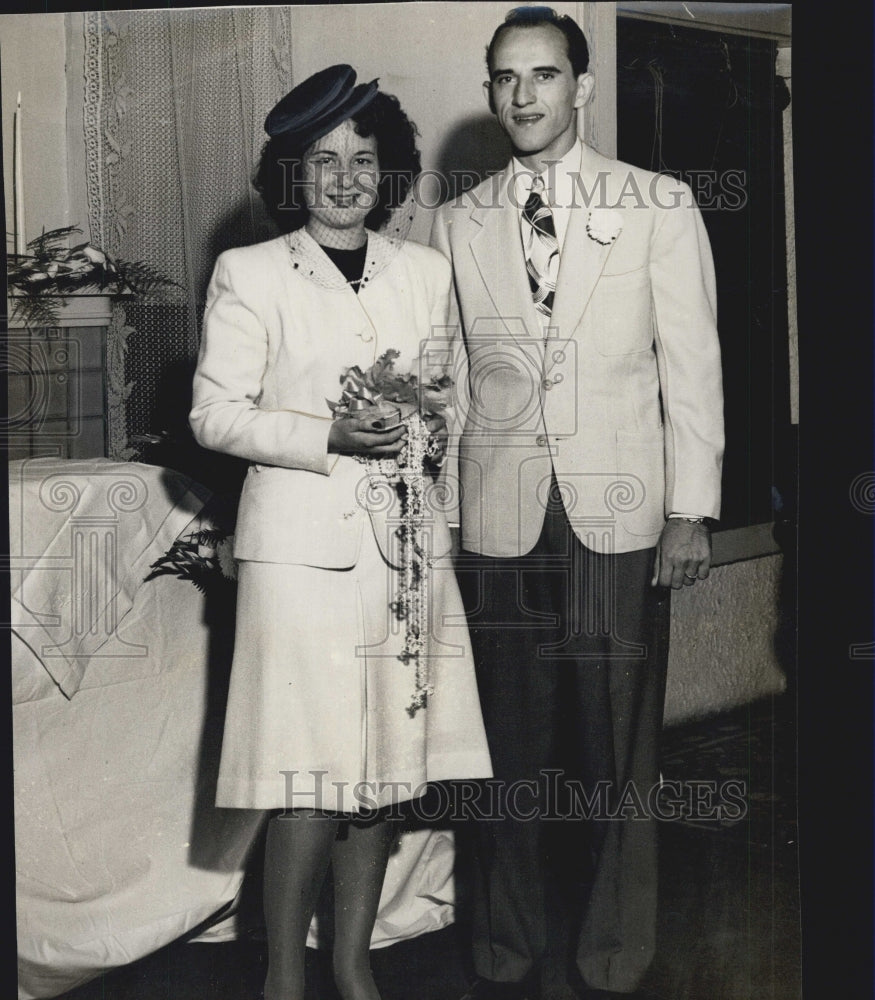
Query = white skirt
x=318 y=708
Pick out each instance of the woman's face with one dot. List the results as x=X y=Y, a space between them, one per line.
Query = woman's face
x=341 y=172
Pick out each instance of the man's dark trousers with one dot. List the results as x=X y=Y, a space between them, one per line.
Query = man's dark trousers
x=567 y=639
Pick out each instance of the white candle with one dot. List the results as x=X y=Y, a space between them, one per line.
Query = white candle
x=18 y=182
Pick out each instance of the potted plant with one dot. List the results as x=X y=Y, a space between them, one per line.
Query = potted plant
x=38 y=280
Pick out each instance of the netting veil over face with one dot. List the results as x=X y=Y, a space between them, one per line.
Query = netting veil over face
x=338 y=168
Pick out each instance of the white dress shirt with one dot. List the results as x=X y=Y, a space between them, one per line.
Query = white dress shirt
x=559 y=188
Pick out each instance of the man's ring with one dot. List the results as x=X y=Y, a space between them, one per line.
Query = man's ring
x=694 y=577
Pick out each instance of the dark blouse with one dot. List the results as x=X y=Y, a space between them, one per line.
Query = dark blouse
x=350 y=263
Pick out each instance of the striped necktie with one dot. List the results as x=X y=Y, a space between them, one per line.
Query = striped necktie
x=541 y=248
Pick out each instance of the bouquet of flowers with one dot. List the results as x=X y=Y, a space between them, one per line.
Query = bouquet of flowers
x=51 y=268
x=395 y=397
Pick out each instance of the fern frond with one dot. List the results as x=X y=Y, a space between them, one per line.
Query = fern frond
x=33 y=311
x=47 y=245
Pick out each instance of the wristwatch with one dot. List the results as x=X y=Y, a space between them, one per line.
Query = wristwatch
x=689 y=518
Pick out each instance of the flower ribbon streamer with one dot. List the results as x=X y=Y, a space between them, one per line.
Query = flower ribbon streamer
x=381 y=387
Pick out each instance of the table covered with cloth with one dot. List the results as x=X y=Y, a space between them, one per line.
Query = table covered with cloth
x=118 y=691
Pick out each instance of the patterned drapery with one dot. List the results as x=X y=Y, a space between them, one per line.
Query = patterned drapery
x=173 y=116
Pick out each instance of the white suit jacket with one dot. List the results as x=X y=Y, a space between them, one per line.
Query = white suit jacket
x=275 y=345
x=623 y=399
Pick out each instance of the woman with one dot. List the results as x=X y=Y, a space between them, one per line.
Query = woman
x=319 y=721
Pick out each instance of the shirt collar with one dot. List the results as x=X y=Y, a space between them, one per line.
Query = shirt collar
x=558 y=179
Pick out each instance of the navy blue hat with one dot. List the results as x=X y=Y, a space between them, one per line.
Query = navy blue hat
x=318 y=105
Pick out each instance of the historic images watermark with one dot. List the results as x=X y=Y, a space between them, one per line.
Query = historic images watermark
x=551 y=797
x=67 y=595
x=711 y=190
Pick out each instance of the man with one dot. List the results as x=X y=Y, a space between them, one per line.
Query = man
x=589 y=468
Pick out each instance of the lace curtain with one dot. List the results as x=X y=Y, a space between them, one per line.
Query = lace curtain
x=173 y=116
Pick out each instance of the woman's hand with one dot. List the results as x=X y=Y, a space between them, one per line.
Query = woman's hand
x=355 y=435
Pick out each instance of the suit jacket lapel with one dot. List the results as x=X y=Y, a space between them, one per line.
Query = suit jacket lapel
x=497 y=251
x=583 y=259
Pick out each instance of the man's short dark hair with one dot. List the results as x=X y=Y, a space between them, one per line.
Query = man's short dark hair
x=532 y=17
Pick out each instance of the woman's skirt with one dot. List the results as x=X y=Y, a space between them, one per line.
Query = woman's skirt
x=319 y=709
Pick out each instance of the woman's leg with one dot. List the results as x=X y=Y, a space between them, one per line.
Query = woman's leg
x=297 y=853
x=359 y=863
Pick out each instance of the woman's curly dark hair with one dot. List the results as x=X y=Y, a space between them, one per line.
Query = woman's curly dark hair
x=278 y=178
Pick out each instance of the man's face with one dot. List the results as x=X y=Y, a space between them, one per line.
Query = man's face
x=534 y=93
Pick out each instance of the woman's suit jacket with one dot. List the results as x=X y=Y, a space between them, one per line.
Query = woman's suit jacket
x=275 y=345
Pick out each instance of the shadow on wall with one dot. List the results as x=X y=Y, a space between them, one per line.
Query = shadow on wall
x=471 y=152
x=242 y=225
x=176 y=447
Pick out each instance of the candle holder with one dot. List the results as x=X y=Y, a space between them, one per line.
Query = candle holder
x=18 y=180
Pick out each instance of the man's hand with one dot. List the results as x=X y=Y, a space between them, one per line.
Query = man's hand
x=683 y=554
x=437 y=427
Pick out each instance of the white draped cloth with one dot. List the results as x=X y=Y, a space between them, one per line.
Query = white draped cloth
x=117 y=732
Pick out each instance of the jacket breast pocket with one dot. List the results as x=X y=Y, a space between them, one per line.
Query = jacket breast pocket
x=622 y=314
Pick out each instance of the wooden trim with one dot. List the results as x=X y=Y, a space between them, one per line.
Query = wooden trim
x=77 y=186
x=598 y=120
x=738 y=544
x=75 y=310
x=754 y=19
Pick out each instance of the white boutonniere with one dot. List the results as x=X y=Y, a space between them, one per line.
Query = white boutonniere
x=603 y=225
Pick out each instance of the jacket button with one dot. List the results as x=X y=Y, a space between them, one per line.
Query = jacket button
x=547 y=383
x=541 y=441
